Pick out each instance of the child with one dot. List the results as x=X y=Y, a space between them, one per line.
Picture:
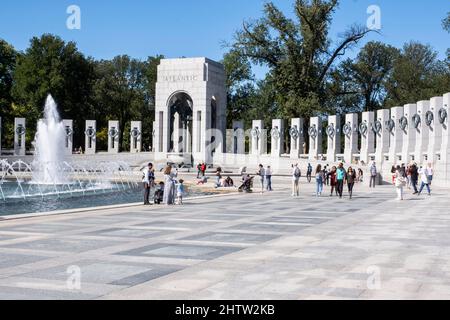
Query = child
x=159 y=193
x=180 y=191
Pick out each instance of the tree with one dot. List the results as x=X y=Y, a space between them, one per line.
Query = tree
x=51 y=66
x=239 y=83
x=446 y=26
x=120 y=91
x=446 y=22
x=8 y=56
x=417 y=75
x=298 y=53
x=366 y=77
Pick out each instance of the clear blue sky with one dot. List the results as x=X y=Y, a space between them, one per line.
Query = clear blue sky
x=178 y=28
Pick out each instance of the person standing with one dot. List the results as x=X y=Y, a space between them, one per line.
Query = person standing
x=296 y=174
x=429 y=172
x=180 y=191
x=199 y=170
x=400 y=182
x=203 y=169
x=218 y=177
x=373 y=175
x=425 y=182
x=309 y=172
x=333 y=182
x=261 y=174
x=414 y=177
x=148 y=181
x=319 y=180
x=340 y=177
x=351 y=179
x=268 y=173
x=169 y=186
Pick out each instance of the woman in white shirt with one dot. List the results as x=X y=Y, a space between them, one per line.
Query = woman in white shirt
x=425 y=182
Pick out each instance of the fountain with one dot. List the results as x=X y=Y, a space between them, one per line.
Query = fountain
x=49 y=147
x=51 y=177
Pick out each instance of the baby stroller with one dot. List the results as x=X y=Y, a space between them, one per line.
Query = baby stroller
x=246 y=185
x=159 y=194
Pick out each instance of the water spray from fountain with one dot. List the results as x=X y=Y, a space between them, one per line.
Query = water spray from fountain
x=49 y=147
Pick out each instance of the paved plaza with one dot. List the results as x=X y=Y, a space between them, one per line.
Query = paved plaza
x=236 y=246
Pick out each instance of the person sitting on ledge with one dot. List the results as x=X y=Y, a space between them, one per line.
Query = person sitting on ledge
x=202 y=180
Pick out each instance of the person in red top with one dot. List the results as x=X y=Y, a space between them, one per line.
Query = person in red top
x=333 y=181
x=203 y=169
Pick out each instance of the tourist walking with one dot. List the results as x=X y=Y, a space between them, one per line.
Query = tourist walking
x=169 y=186
x=296 y=174
x=351 y=179
x=333 y=182
x=320 y=177
x=148 y=180
x=429 y=172
x=268 y=173
x=373 y=175
x=399 y=181
x=425 y=180
x=340 y=177
x=309 y=172
x=203 y=169
x=199 y=170
x=261 y=174
x=414 y=177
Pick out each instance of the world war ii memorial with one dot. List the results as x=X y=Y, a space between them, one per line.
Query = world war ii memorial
x=72 y=220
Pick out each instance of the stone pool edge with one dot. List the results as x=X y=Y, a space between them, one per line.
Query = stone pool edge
x=100 y=208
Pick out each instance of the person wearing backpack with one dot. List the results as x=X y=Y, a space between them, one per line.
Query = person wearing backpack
x=320 y=178
x=296 y=174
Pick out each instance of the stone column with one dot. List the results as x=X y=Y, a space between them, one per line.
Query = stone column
x=350 y=130
x=435 y=142
x=445 y=150
x=113 y=136
x=136 y=137
x=259 y=138
x=19 y=136
x=334 y=137
x=382 y=135
x=396 y=134
x=422 y=132
x=238 y=138
x=277 y=137
x=90 y=137
x=297 y=138
x=176 y=133
x=68 y=145
x=409 y=132
x=315 y=138
x=367 y=136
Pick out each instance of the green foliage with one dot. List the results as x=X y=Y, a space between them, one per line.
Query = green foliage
x=363 y=81
x=297 y=52
x=51 y=66
x=417 y=75
x=446 y=22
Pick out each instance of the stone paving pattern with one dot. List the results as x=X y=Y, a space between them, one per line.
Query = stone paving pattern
x=269 y=246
